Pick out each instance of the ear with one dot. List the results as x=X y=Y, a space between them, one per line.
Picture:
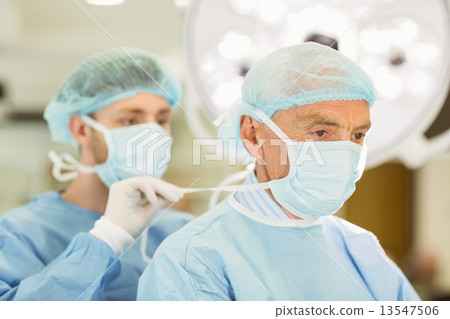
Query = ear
x=79 y=130
x=249 y=136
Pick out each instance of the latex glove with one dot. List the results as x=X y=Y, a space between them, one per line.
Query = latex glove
x=131 y=205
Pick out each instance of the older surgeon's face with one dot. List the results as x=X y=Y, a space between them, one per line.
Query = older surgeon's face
x=321 y=121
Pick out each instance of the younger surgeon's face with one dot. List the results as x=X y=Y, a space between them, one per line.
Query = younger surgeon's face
x=139 y=109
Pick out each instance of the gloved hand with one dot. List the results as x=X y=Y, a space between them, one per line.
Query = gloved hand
x=131 y=205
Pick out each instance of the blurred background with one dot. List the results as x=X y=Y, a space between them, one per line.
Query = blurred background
x=404 y=196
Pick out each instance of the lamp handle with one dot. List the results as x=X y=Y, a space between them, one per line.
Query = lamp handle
x=416 y=150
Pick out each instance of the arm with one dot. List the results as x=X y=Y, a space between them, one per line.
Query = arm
x=72 y=275
x=90 y=261
x=406 y=291
x=384 y=279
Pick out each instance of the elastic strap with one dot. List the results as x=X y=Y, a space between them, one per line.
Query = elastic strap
x=233 y=178
x=66 y=162
x=231 y=188
x=94 y=124
x=271 y=124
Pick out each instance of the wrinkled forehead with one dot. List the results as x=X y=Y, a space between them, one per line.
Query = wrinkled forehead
x=343 y=112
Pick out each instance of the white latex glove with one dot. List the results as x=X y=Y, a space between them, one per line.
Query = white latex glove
x=131 y=205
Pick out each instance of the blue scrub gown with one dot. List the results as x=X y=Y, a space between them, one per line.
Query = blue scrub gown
x=47 y=254
x=231 y=253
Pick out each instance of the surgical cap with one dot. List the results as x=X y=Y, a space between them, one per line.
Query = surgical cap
x=107 y=77
x=298 y=75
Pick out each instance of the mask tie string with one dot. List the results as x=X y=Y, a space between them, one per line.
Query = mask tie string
x=66 y=162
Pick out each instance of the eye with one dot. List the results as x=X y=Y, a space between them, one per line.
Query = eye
x=162 y=122
x=359 y=136
x=130 y=121
x=320 y=133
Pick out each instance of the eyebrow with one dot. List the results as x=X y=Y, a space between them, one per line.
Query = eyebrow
x=313 y=120
x=136 y=110
x=364 y=127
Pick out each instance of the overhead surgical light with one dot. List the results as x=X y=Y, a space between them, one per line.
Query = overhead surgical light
x=404 y=45
x=105 y=2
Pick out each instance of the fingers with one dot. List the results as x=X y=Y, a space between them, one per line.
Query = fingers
x=133 y=188
x=166 y=190
x=153 y=207
x=149 y=186
x=148 y=191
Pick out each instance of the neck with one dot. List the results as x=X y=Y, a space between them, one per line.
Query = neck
x=262 y=176
x=89 y=192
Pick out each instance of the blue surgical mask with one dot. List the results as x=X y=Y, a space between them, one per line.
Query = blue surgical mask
x=319 y=186
x=135 y=150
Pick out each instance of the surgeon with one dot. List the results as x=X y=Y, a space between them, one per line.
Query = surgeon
x=303 y=117
x=63 y=245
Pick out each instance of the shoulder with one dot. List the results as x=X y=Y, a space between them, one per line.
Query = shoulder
x=361 y=243
x=353 y=235
x=371 y=261
x=202 y=229
x=344 y=227
x=164 y=223
x=31 y=212
x=167 y=215
x=46 y=215
x=26 y=227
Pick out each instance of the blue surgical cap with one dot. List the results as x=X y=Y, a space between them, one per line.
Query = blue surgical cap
x=107 y=77
x=298 y=75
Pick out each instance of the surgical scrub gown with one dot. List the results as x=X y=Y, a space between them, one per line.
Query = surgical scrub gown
x=47 y=254
x=234 y=253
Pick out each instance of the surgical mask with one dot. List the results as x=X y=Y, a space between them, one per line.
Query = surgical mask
x=135 y=150
x=322 y=175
